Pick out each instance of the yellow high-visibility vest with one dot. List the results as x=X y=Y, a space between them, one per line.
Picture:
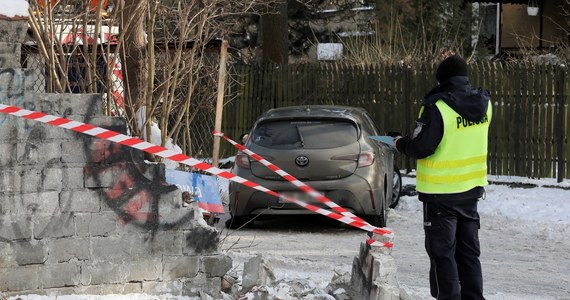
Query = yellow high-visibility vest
x=460 y=160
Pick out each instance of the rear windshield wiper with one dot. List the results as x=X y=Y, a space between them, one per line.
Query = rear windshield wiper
x=300 y=136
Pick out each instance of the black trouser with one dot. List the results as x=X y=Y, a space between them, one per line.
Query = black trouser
x=452 y=243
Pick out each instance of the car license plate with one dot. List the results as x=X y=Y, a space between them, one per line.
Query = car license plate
x=296 y=195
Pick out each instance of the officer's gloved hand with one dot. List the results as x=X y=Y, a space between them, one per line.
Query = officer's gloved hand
x=393 y=134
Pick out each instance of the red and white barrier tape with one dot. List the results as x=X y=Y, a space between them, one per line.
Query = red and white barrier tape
x=163 y=152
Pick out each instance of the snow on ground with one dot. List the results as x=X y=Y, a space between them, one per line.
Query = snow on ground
x=525 y=225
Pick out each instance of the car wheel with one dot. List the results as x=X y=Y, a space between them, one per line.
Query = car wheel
x=396 y=187
x=238 y=222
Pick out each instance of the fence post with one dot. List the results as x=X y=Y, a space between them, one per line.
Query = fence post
x=407 y=106
x=220 y=101
x=560 y=103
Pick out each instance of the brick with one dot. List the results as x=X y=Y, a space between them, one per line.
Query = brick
x=215 y=265
x=68 y=249
x=30 y=252
x=79 y=201
x=59 y=275
x=38 y=154
x=19 y=279
x=176 y=267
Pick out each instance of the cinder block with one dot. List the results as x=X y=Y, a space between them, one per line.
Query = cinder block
x=68 y=249
x=39 y=154
x=102 y=272
x=99 y=224
x=30 y=205
x=7 y=255
x=13 y=129
x=59 y=275
x=79 y=104
x=80 y=201
x=173 y=288
x=84 y=151
x=168 y=242
x=30 y=252
x=107 y=289
x=7 y=155
x=143 y=269
x=10 y=54
x=15 y=83
x=56 y=226
x=72 y=178
x=13 y=31
x=215 y=265
x=24 y=180
x=201 y=240
x=202 y=283
x=178 y=267
x=18 y=229
x=116 y=248
x=20 y=278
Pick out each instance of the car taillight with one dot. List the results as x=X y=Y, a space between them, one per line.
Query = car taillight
x=242 y=160
x=365 y=158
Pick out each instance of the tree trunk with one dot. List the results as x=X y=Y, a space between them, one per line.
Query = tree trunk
x=275 y=36
x=135 y=56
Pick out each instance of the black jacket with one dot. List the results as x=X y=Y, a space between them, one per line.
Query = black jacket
x=471 y=103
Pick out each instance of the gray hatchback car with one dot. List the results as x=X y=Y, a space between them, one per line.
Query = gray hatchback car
x=327 y=148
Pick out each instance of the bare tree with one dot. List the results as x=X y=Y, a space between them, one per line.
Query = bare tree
x=164 y=49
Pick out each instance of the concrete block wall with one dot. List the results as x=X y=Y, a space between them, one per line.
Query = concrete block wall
x=80 y=215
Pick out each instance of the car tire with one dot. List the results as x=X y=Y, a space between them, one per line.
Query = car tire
x=378 y=220
x=238 y=222
x=397 y=187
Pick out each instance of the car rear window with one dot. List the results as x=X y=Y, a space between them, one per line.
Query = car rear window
x=309 y=134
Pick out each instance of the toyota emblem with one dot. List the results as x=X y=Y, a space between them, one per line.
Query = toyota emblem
x=302 y=160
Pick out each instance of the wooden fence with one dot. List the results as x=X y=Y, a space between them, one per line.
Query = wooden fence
x=529 y=130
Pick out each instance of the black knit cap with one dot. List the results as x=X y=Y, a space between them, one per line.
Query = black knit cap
x=451 y=66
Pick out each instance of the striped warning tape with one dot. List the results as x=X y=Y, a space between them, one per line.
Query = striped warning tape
x=310 y=191
x=163 y=152
x=302 y=186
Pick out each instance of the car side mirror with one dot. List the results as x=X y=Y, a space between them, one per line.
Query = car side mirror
x=244 y=137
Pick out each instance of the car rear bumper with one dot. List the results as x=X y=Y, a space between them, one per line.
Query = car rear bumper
x=246 y=201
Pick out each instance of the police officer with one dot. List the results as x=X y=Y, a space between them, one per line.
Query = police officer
x=450 y=145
